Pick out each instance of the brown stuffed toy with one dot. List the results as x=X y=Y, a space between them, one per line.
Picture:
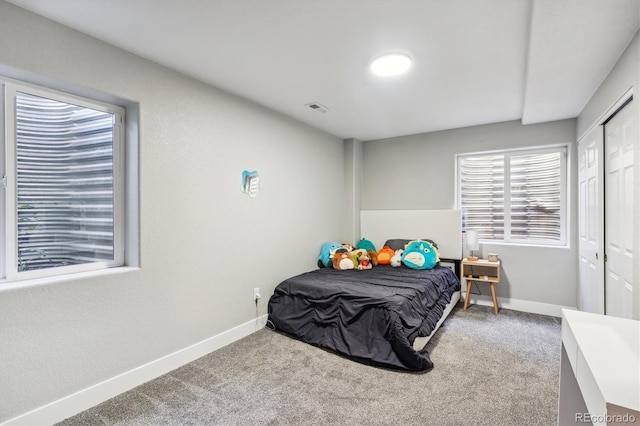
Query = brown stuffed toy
x=374 y=257
x=348 y=246
x=342 y=261
x=364 y=261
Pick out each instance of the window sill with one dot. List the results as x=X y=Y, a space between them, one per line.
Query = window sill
x=33 y=282
x=539 y=245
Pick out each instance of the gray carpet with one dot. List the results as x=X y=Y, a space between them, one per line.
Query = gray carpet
x=489 y=370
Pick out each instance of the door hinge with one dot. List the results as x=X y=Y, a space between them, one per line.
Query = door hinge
x=3 y=182
x=605 y=257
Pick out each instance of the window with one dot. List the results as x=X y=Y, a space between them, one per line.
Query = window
x=517 y=196
x=61 y=198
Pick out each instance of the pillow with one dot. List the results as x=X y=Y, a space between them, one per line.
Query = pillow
x=399 y=243
x=420 y=254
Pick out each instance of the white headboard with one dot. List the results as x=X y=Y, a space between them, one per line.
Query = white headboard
x=442 y=226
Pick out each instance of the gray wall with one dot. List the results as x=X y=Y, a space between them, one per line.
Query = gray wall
x=204 y=245
x=418 y=172
x=624 y=76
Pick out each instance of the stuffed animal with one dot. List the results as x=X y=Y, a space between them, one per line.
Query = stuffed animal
x=419 y=254
x=364 y=261
x=374 y=257
x=348 y=247
x=366 y=245
x=355 y=254
x=342 y=260
x=384 y=255
x=396 y=260
x=326 y=251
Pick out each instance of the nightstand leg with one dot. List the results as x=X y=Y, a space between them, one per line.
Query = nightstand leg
x=495 y=300
x=466 y=298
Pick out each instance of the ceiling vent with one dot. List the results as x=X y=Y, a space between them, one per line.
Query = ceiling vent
x=317 y=107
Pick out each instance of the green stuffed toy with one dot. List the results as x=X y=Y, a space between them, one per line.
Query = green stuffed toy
x=366 y=245
x=355 y=255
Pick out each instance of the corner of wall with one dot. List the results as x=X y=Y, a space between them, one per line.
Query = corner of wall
x=353 y=189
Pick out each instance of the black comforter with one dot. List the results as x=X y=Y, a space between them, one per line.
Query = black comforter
x=371 y=316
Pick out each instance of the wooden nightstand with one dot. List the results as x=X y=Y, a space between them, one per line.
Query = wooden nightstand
x=481 y=270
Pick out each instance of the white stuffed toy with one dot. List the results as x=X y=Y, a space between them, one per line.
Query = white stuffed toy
x=396 y=260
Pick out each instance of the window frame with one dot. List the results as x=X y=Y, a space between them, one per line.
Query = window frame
x=564 y=150
x=8 y=167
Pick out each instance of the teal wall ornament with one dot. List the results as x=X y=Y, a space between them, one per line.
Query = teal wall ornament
x=250 y=183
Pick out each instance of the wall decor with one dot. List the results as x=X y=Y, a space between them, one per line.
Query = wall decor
x=250 y=183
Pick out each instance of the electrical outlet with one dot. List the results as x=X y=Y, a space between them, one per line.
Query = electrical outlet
x=256 y=294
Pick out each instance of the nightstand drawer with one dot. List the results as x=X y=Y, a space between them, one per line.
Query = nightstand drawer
x=478 y=271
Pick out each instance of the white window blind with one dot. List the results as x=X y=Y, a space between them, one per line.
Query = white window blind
x=64 y=183
x=64 y=196
x=482 y=194
x=515 y=196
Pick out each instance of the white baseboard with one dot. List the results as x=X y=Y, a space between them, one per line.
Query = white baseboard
x=518 y=305
x=75 y=403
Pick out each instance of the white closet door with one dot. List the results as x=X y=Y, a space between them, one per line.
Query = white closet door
x=590 y=229
x=620 y=137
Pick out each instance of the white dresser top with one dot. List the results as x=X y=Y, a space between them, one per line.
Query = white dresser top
x=610 y=346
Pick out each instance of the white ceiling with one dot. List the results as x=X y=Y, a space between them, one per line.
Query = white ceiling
x=475 y=61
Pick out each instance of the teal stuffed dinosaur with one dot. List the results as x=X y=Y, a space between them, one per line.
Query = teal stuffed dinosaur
x=366 y=245
x=419 y=254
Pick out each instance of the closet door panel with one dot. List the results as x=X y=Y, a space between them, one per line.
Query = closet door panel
x=590 y=218
x=620 y=138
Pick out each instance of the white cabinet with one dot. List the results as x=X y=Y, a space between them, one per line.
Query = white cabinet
x=600 y=370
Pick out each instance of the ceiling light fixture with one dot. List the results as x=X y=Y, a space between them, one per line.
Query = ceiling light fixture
x=391 y=64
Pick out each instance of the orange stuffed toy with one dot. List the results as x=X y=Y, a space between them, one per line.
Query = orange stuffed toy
x=384 y=255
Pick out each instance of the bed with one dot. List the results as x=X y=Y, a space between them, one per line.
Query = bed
x=382 y=316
